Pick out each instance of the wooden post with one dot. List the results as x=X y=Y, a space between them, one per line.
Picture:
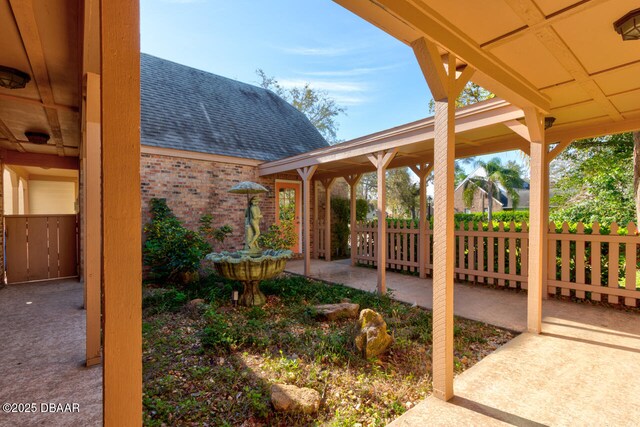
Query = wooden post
x=445 y=84
x=327 y=184
x=316 y=222
x=353 y=181
x=306 y=173
x=121 y=222
x=381 y=161
x=423 y=170
x=537 y=220
x=92 y=236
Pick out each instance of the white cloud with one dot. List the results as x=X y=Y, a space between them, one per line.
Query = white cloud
x=345 y=93
x=348 y=73
x=317 y=51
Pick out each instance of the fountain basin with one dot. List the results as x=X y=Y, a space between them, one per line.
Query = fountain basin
x=250 y=269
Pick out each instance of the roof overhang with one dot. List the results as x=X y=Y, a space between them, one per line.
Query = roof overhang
x=562 y=57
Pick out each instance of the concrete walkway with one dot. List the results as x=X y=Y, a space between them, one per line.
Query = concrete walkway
x=582 y=370
x=42 y=333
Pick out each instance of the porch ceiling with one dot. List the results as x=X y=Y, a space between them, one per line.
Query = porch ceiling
x=562 y=56
x=43 y=39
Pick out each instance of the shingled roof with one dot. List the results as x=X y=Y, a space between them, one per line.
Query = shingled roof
x=188 y=109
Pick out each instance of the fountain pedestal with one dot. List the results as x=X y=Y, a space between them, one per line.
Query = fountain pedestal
x=250 y=270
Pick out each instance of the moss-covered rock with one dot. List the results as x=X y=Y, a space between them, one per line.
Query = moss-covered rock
x=372 y=339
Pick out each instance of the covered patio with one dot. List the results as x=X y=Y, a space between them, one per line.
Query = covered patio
x=560 y=70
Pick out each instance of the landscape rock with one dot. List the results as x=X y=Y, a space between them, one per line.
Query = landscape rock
x=331 y=312
x=289 y=398
x=195 y=305
x=372 y=339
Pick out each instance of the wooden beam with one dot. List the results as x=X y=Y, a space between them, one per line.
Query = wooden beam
x=316 y=222
x=38 y=103
x=40 y=160
x=560 y=15
x=90 y=218
x=591 y=131
x=537 y=221
x=121 y=221
x=476 y=116
x=381 y=160
x=306 y=173
x=422 y=170
x=353 y=181
x=440 y=31
x=518 y=128
x=559 y=148
x=327 y=183
x=25 y=19
x=430 y=62
x=4 y=130
x=528 y=11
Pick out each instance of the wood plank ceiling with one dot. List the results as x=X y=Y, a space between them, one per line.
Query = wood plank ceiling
x=41 y=38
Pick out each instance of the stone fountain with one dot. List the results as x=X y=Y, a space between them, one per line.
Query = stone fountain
x=252 y=264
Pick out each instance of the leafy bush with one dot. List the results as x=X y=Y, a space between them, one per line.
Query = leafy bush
x=279 y=236
x=161 y=301
x=217 y=334
x=340 y=219
x=171 y=250
x=211 y=233
x=504 y=216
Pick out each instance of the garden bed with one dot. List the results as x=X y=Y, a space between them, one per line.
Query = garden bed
x=214 y=364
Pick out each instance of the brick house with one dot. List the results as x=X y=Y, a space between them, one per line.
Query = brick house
x=202 y=133
x=480 y=201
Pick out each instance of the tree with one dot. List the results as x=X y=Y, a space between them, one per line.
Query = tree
x=403 y=194
x=497 y=175
x=471 y=94
x=593 y=180
x=636 y=173
x=317 y=105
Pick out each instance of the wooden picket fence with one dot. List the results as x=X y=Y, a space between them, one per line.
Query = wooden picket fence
x=588 y=266
x=578 y=263
x=481 y=256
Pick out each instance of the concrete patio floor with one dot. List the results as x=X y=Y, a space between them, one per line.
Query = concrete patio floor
x=581 y=371
x=42 y=328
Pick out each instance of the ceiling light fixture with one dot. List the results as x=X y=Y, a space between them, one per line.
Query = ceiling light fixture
x=39 y=138
x=629 y=25
x=11 y=78
x=548 y=122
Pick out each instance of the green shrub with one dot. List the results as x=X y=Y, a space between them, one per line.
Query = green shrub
x=217 y=334
x=211 y=233
x=162 y=301
x=279 y=236
x=340 y=220
x=171 y=250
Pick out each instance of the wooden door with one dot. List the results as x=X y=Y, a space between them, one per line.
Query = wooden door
x=41 y=247
x=289 y=206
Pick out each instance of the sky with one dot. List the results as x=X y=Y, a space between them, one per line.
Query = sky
x=374 y=76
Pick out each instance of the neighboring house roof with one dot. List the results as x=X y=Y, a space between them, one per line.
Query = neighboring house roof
x=503 y=197
x=193 y=110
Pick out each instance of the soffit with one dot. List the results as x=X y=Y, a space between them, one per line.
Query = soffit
x=566 y=50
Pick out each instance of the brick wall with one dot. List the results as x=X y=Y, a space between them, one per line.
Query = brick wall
x=476 y=206
x=194 y=188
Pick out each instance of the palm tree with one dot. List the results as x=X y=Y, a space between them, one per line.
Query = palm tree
x=497 y=175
